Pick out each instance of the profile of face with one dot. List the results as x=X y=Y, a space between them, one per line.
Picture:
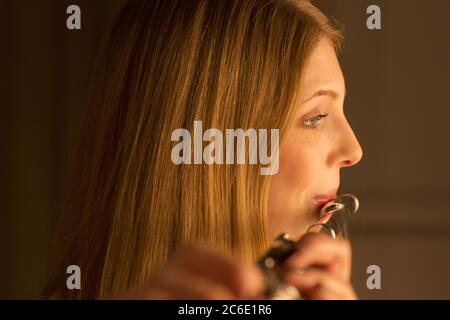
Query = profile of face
x=319 y=143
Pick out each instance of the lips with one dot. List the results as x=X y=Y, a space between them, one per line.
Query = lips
x=321 y=199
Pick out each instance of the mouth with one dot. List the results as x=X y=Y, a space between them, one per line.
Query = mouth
x=321 y=199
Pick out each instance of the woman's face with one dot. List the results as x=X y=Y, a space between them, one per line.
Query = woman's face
x=314 y=150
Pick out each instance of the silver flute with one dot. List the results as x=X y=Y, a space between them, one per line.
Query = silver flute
x=333 y=221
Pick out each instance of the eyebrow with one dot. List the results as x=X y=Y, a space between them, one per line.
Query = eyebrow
x=324 y=92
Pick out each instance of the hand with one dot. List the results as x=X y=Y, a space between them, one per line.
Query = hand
x=320 y=268
x=199 y=273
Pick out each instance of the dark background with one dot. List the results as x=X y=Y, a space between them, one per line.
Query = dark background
x=398 y=81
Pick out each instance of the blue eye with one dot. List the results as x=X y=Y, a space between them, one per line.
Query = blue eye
x=313 y=122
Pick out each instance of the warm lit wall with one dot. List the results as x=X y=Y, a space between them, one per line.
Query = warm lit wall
x=398 y=82
x=47 y=68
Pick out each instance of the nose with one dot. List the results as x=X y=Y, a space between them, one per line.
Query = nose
x=350 y=151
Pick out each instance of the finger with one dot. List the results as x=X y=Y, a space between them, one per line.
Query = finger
x=244 y=280
x=333 y=255
x=318 y=284
x=182 y=285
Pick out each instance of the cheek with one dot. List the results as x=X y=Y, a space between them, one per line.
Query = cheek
x=289 y=190
x=298 y=167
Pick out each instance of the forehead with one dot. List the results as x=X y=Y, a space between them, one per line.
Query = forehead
x=322 y=71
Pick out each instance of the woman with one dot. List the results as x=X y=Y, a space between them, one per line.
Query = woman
x=140 y=226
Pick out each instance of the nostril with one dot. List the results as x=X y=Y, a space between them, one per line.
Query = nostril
x=347 y=163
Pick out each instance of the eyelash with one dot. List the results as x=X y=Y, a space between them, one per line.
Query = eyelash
x=312 y=122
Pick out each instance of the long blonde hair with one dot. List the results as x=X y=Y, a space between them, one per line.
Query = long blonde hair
x=167 y=63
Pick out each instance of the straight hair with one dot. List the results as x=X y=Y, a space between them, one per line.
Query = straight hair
x=164 y=65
